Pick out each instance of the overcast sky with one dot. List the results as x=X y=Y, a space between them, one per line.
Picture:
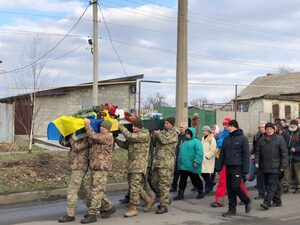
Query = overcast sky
x=230 y=41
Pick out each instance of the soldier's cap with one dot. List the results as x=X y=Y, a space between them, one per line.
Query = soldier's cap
x=138 y=123
x=106 y=124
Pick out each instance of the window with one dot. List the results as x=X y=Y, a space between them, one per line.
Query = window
x=275 y=111
x=287 y=112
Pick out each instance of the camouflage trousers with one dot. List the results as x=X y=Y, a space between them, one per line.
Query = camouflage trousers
x=146 y=180
x=137 y=182
x=98 y=196
x=77 y=189
x=161 y=181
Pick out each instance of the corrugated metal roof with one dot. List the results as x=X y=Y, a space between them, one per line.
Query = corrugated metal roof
x=272 y=84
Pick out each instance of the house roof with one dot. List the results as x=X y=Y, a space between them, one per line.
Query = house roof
x=65 y=89
x=272 y=85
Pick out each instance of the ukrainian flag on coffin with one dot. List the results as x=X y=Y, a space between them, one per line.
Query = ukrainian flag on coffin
x=66 y=125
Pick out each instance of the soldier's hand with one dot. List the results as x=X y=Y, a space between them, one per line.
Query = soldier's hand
x=87 y=122
x=156 y=131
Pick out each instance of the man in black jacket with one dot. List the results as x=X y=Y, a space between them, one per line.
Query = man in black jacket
x=272 y=157
x=293 y=142
x=235 y=155
x=259 y=173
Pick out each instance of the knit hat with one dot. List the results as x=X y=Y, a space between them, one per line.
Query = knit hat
x=137 y=123
x=171 y=120
x=294 y=122
x=207 y=128
x=271 y=125
x=226 y=121
x=233 y=123
x=106 y=124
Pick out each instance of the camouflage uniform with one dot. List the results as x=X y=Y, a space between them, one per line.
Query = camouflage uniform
x=138 y=151
x=78 y=163
x=163 y=164
x=100 y=163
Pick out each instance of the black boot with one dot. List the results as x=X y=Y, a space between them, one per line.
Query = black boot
x=66 y=218
x=106 y=214
x=200 y=195
x=89 y=219
x=179 y=196
x=229 y=213
x=265 y=206
x=124 y=200
x=248 y=206
x=162 y=209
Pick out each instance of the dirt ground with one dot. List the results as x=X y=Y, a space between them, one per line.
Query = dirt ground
x=44 y=170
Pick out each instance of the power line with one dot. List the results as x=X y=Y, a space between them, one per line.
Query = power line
x=196 y=55
x=39 y=15
x=29 y=32
x=53 y=48
x=111 y=42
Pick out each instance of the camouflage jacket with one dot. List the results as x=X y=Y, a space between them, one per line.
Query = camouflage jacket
x=101 y=150
x=79 y=154
x=165 y=142
x=138 y=149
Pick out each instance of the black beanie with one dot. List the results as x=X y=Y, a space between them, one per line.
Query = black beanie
x=270 y=125
x=233 y=123
x=295 y=122
x=171 y=120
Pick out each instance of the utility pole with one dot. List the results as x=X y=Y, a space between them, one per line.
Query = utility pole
x=181 y=68
x=95 y=52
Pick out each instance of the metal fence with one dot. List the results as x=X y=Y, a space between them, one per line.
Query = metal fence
x=7 y=128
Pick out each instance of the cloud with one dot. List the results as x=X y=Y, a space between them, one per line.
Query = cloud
x=230 y=42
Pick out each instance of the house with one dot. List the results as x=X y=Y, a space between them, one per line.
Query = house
x=277 y=94
x=66 y=100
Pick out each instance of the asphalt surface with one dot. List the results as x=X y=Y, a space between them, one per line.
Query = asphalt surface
x=188 y=212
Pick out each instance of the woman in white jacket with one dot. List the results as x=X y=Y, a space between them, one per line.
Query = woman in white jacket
x=208 y=165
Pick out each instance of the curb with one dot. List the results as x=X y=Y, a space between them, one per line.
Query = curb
x=50 y=194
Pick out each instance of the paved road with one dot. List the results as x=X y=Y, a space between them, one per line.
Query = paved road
x=188 y=212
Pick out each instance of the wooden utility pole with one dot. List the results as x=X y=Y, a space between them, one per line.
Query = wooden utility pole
x=95 y=52
x=181 y=68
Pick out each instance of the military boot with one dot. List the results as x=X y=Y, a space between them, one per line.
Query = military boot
x=66 y=218
x=149 y=203
x=131 y=211
x=161 y=209
x=179 y=196
x=106 y=214
x=91 y=218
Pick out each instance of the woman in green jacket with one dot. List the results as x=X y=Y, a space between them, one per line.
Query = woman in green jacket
x=190 y=163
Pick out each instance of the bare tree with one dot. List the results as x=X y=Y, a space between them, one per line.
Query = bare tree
x=198 y=102
x=285 y=69
x=155 y=101
x=30 y=108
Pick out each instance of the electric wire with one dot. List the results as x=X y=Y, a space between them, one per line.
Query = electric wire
x=52 y=49
x=111 y=41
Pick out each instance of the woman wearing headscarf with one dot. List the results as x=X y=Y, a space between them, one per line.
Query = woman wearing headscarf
x=208 y=165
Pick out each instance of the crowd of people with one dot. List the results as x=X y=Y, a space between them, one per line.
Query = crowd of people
x=161 y=161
